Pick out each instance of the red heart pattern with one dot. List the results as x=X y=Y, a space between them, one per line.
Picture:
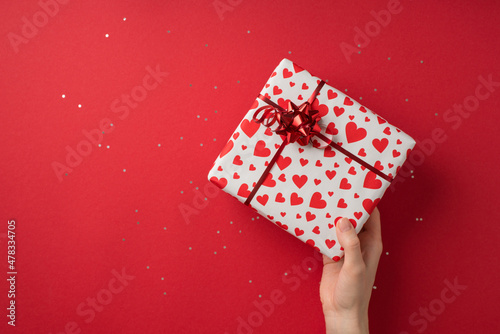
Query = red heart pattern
x=317 y=184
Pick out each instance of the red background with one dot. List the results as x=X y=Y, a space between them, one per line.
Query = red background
x=199 y=275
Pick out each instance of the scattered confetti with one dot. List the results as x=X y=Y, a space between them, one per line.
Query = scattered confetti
x=159 y=145
x=124 y=170
x=63 y=96
x=250 y=281
x=435 y=114
x=389 y=58
x=406 y=100
x=248 y=31
x=421 y=62
x=124 y=19
x=215 y=87
x=123 y=239
x=79 y=106
x=162 y=278
x=182 y=138
x=147 y=267
x=107 y=146
x=375 y=89
x=375 y=287
x=190 y=248
x=386 y=253
x=107 y=35
x=215 y=252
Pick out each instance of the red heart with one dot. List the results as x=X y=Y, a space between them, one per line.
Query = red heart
x=352 y=170
x=316 y=181
x=348 y=160
x=219 y=168
x=358 y=215
x=295 y=199
x=322 y=108
x=319 y=164
x=263 y=199
x=331 y=94
x=316 y=230
x=299 y=180
x=381 y=120
x=277 y=90
x=267 y=85
x=371 y=181
x=351 y=117
x=236 y=175
x=298 y=231
x=331 y=130
x=287 y=73
x=395 y=153
x=301 y=150
x=303 y=162
x=367 y=119
x=399 y=142
x=362 y=153
x=237 y=161
x=344 y=184
x=269 y=182
x=353 y=222
x=297 y=68
x=330 y=243
x=354 y=134
x=387 y=131
x=283 y=162
x=261 y=150
x=342 y=204
x=369 y=205
x=283 y=226
x=221 y=183
x=378 y=165
x=390 y=165
x=282 y=178
x=255 y=104
x=362 y=109
x=268 y=132
x=336 y=165
x=330 y=225
x=252 y=167
x=291 y=83
x=283 y=103
x=356 y=195
x=310 y=216
x=283 y=214
x=243 y=147
x=300 y=97
x=338 y=111
x=298 y=216
x=272 y=75
x=329 y=152
x=348 y=102
x=380 y=145
x=317 y=202
x=330 y=174
x=304 y=86
x=228 y=147
x=270 y=217
x=236 y=135
x=330 y=193
x=279 y=198
x=328 y=215
x=249 y=127
x=243 y=191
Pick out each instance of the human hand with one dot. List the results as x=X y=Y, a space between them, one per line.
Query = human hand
x=346 y=285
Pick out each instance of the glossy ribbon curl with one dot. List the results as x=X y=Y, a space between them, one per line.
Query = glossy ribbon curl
x=297 y=124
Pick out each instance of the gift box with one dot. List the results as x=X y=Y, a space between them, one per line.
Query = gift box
x=306 y=155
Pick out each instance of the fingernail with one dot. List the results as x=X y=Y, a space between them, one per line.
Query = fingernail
x=345 y=225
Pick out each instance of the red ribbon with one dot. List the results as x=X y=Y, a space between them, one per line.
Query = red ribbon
x=297 y=124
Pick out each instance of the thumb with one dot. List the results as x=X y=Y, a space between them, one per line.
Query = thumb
x=348 y=238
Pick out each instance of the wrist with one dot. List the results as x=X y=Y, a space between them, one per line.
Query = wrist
x=346 y=323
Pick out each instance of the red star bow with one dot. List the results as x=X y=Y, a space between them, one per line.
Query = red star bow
x=295 y=123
